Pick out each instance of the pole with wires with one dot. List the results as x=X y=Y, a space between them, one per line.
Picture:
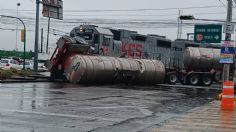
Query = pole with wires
x=48 y=34
x=226 y=67
x=17 y=15
x=36 y=37
x=49 y=20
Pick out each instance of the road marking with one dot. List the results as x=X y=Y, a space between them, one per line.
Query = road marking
x=58 y=115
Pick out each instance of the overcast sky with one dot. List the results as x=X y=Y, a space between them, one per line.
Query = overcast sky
x=161 y=20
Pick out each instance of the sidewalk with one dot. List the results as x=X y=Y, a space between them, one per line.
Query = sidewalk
x=208 y=118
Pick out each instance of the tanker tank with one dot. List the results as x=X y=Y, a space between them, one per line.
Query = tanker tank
x=203 y=59
x=103 y=69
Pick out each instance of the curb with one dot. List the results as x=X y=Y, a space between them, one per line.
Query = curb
x=23 y=81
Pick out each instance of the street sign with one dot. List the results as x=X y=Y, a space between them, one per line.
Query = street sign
x=53 y=9
x=210 y=33
x=227 y=50
x=229 y=28
x=226 y=58
x=228 y=44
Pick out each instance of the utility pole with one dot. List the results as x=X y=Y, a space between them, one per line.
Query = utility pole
x=36 y=37
x=226 y=68
x=41 y=40
x=179 y=30
x=17 y=15
x=178 y=25
x=181 y=22
x=48 y=32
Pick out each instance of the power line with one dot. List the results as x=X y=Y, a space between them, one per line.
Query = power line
x=225 y=5
x=135 y=15
x=67 y=24
x=234 y=3
x=131 y=10
x=157 y=9
x=222 y=3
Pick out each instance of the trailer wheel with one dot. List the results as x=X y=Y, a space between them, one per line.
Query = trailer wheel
x=206 y=80
x=217 y=76
x=172 y=78
x=52 y=76
x=193 y=79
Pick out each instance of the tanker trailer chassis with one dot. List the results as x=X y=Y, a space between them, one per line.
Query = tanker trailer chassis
x=197 y=78
x=190 y=78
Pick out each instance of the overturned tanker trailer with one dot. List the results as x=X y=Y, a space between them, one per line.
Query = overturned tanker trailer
x=72 y=61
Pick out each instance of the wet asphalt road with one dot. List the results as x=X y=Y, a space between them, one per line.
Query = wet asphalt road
x=61 y=107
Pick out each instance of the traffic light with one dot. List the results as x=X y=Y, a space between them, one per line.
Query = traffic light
x=22 y=35
x=188 y=17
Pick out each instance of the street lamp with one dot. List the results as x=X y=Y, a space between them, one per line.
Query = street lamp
x=24 y=34
x=17 y=7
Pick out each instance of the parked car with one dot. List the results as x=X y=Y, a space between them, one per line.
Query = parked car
x=42 y=67
x=28 y=65
x=9 y=63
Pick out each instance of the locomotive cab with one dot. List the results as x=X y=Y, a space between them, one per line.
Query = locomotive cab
x=99 y=38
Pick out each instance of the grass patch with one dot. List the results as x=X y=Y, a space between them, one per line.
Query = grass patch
x=8 y=73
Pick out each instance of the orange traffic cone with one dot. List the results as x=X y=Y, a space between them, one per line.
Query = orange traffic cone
x=227 y=102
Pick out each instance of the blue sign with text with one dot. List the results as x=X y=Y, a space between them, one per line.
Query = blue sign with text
x=227 y=50
x=227 y=60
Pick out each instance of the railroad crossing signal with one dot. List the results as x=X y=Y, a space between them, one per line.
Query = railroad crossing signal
x=210 y=33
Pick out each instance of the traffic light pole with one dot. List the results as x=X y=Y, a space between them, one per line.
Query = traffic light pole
x=226 y=67
x=36 y=37
x=24 y=35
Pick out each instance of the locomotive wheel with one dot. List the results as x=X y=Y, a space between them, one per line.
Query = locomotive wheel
x=206 y=80
x=193 y=79
x=172 y=78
